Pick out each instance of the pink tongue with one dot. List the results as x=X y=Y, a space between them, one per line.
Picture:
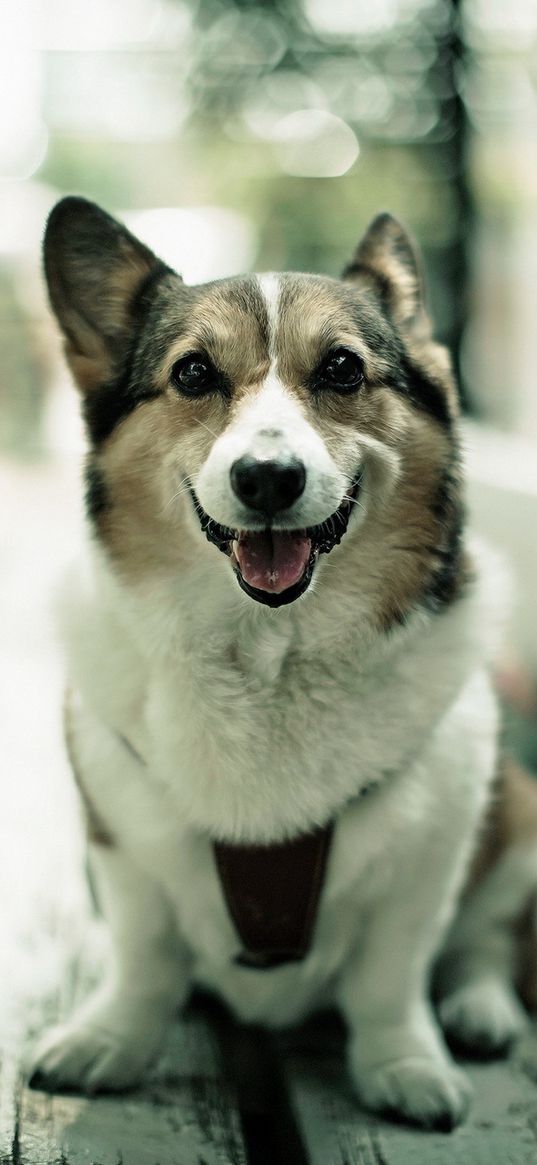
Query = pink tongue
x=273 y=560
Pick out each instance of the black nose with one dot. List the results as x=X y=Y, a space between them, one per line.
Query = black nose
x=267 y=486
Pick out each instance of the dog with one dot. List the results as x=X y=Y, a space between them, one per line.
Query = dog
x=280 y=714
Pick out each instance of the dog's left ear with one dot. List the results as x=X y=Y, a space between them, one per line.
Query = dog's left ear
x=387 y=259
x=96 y=273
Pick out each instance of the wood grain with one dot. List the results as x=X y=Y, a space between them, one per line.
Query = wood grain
x=186 y=1114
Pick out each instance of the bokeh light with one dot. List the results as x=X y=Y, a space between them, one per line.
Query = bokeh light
x=313 y=143
x=201 y=243
x=266 y=134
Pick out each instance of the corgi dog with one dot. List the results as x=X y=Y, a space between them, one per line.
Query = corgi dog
x=279 y=639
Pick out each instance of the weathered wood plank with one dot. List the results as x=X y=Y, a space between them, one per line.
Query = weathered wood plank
x=185 y=1115
x=501 y=1129
x=10 y=1089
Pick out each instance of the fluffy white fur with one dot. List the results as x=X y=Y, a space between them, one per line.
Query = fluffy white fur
x=157 y=669
x=252 y=724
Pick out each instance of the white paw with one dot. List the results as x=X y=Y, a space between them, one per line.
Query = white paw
x=100 y=1049
x=420 y=1089
x=483 y=1017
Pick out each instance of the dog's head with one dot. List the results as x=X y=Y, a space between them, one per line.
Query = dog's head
x=278 y=416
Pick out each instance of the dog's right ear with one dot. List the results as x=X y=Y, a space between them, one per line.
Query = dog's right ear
x=388 y=260
x=96 y=273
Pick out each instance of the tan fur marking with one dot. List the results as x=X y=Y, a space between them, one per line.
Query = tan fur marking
x=89 y=355
x=512 y=817
x=130 y=271
x=88 y=371
x=312 y=320
x=397 y=548
x=512 y=820
x=231 y=334
x=145 y=462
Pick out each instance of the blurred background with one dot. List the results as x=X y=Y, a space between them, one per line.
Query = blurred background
x=239 y=133
x=233 y=134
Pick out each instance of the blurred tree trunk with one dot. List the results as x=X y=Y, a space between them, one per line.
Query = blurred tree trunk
x=458 y=259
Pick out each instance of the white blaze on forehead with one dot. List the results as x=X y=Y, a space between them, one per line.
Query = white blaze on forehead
x=269 y=286
x=271 y=424
x=273 y=416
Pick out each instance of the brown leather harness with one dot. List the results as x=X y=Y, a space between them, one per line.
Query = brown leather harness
x=272 y=894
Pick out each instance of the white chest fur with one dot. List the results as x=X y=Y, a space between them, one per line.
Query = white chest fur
x=252 y=732
x=258 y=733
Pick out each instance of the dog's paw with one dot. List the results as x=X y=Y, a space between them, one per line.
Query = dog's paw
x=421 y=1090
x=100 y=1050
x=482 y=1018
x=84 y=1059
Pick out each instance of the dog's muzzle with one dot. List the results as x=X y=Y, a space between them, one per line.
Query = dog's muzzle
x=275 y=566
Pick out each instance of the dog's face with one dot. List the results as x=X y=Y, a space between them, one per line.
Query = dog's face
x=278 y=416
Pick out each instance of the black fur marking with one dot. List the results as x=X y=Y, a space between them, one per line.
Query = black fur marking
x=393 y=618
x=105 y=407
x=423 y=393
x=96 y=496
x=449 y=511
x=410 y=381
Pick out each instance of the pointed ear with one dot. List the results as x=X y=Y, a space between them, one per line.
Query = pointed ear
x=96 y=272
x=387 y=258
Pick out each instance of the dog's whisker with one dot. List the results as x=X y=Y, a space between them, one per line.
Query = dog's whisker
x=183 y=489
x=354 y=501
x=178 y=493
x=209 y=430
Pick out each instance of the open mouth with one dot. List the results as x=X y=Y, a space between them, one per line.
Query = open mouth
x=275 y=567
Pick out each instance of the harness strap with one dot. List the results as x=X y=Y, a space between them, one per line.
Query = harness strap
x=272 y=894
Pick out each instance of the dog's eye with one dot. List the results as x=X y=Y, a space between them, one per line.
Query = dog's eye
x=194 y=375
x=342 y=370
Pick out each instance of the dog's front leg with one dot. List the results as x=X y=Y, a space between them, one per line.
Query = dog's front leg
x=398 y=1059
x=113 y=1036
